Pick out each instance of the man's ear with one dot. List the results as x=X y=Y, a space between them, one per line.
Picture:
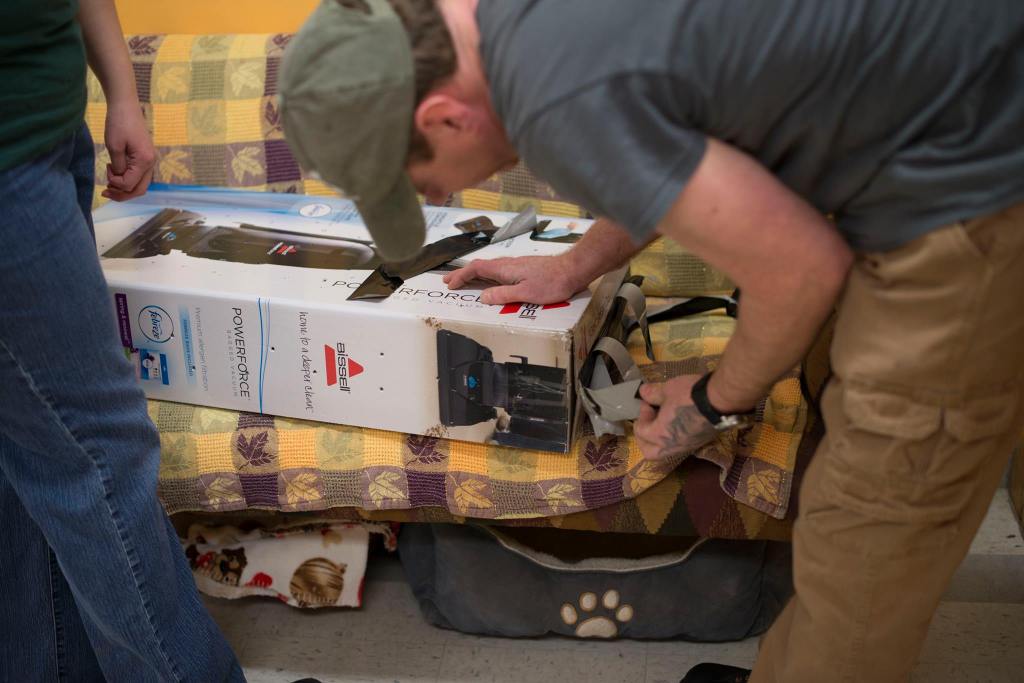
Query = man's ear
x=441 y=115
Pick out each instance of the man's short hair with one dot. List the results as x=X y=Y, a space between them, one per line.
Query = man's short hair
x=433 y=55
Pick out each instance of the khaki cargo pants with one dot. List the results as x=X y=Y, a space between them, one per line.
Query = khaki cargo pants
x=921 y=416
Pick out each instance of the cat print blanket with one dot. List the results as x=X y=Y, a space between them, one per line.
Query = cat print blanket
x=317 y=565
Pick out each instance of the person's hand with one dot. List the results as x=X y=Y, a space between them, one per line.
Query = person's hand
x=526 y=279
x=669 y=423
x=132 y=154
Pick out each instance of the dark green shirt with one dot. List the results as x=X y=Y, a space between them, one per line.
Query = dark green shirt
x=897 y=116
x=42 y=77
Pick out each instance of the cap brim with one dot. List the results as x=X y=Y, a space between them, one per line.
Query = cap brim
x=396 y=222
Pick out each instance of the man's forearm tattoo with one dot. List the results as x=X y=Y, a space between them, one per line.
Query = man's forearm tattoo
x=688 y=431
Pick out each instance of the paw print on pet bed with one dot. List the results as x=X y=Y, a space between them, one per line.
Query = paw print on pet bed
x=599 y=625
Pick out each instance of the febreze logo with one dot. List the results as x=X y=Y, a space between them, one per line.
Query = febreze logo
x=340 y=368
x=156 y=325
x=529 y=311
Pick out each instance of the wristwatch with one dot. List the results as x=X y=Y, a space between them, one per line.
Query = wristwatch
x=720 y=422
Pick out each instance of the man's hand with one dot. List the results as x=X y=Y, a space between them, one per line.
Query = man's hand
x=131 y=151
x=550 y=279
x=132 y=155
x=670 y=423
x=530 y=279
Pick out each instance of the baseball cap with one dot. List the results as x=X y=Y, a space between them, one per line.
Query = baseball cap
x=347 y=94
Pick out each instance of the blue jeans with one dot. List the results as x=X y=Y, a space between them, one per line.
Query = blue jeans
x=95 y=582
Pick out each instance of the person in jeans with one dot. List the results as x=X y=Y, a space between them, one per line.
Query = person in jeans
x=735 y=128
x=95 y=584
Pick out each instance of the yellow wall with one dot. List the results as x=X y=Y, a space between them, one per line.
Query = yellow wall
x=213 y=16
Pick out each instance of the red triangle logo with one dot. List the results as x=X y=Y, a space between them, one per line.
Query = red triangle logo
x=354 y=368
x=329 y=366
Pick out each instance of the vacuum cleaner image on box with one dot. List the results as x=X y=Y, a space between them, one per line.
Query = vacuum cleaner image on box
x=187 y=232
x=530 y=403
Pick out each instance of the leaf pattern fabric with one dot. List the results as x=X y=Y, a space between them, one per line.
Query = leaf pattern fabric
x=561 y=495
x=424 y=449
x=245 y=163
x=246 y=78
x=470 y=495
x=602 y=455
x=385 y=488
x=764 y=484
x=252 y=449
x=142 y=46
x=172 y=165
x=301 y=487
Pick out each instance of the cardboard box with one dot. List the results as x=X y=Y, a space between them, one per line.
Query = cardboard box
x=238 y=300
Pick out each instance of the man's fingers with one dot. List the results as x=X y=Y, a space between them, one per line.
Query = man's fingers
x=118 y=160
x=653 y=393
x=143 y=184
x=647 y=414
x=646 y=426
x=650 y=449
x=115 y=194
x=140 y=163
x=483 y=269
x=505 y=294
x=455 y=279
x=132 y=178
x=140 y=188
x=121 y=182
x=115 y=180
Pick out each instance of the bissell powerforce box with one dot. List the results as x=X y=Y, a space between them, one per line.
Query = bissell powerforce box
x=240 y=300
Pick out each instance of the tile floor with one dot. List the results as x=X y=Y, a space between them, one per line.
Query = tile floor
x=976 y=636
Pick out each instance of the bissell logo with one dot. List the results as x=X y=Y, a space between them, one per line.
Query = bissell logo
x=529 y=310
x=340 y=368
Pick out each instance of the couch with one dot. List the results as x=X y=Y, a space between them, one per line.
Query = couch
x=210 y=104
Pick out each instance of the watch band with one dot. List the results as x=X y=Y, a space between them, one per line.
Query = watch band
x=699 y=395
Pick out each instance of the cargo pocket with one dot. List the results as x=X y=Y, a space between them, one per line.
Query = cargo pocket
x=881 y=453
x=890 y=415
x=899 y=460
x=981 y=429
x=982 y=418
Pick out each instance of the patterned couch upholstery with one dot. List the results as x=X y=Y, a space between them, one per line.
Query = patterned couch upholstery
x=211 y=107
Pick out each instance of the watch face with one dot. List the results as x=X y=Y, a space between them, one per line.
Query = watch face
x=734 y=421
x=728 y=422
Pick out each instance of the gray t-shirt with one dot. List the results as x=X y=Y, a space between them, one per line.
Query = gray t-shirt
x=895 y=116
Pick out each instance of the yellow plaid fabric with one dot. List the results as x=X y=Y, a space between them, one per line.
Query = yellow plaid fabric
x=669 y=270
